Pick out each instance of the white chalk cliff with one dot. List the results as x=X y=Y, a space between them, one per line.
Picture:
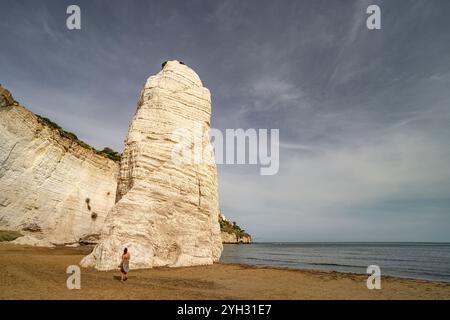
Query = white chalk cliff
x=166 y=212
x=231 y=233
x=52 y=189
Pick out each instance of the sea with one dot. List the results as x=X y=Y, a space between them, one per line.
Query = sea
x=426 y=261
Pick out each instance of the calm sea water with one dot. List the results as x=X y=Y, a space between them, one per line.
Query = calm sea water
x=429 y=261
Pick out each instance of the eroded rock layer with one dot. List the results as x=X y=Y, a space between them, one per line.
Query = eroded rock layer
x=51 y=189
x=166 y=212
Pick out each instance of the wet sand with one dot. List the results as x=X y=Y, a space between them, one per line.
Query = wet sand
x=40 y=273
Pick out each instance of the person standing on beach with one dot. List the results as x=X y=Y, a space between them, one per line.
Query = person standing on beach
x=125 y=264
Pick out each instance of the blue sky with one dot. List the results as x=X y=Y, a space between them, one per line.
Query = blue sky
x=363 y=115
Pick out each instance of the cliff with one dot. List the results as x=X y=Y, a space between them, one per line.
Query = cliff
x=232 y=233
x=166 y=212
x=53 y=188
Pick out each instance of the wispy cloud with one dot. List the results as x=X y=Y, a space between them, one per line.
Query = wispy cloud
x=348 y=183
x=363 y=116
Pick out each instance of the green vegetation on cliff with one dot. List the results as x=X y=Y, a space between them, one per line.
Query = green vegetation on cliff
x=232 y=227
x=111 y=154
x=9 y=235
x=106 y=152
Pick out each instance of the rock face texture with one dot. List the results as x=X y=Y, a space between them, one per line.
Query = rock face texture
x=232 y=238
x=52 y=190
x=166 y=212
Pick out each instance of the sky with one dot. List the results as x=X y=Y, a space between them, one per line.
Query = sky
x=364 y=115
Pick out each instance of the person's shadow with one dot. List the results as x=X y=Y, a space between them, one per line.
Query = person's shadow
x=119 y=278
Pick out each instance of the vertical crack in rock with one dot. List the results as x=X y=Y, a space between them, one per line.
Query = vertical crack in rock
x=166 y=212
x=199 y=191
x=9 y=154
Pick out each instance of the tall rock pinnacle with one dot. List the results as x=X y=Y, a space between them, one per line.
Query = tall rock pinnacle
x=166 y=212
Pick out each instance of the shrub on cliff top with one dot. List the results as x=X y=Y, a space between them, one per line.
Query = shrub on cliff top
x=106 y=152
x=48 y=122
x=61 y=131
x=9 y=235
x=111 y=154
x=233 y=228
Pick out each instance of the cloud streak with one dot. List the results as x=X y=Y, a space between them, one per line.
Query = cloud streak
x=363 y=115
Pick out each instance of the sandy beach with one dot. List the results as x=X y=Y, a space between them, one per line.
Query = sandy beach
x=40 y=273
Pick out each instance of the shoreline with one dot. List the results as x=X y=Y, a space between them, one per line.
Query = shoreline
x=318 y=271
x=40 y=273
x=405 y=260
